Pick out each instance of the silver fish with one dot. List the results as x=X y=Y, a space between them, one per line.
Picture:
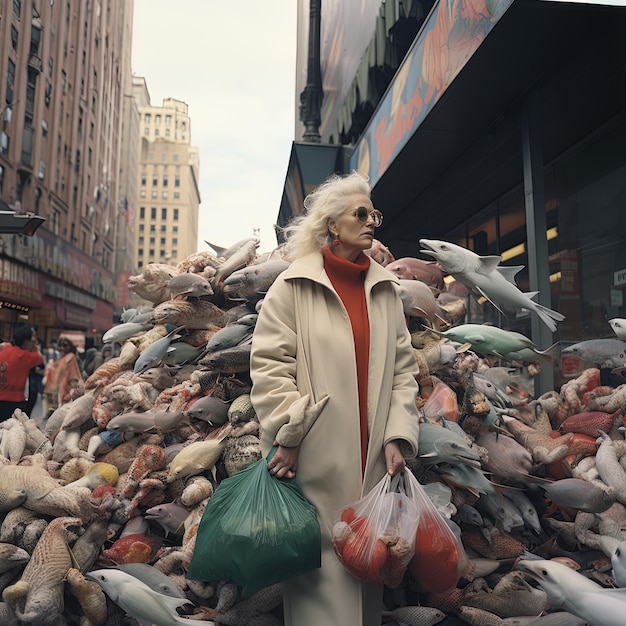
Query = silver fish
x=501 y=510
x=440 y=445
x=619 y=327
x=139 y=600
x=209 y=409
x=483 y=276
x=603 y=353
x=133 y=422
x=154 y=578
x=154 y=353
x=170 y=516
x=122 y=332
x=576 y=593
x=229 y=361
x=229 y=336
x=189 y=285
x=241 y=257
x=250 y=283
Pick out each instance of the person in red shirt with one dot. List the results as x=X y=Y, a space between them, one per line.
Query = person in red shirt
x=16 y=361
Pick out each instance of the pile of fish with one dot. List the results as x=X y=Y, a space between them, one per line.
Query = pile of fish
x=100 y=503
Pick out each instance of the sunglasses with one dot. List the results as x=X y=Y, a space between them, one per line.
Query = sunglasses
x=362 y=214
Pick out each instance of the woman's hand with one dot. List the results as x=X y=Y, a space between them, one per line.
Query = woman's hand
x=393 y=458
x=284 y=463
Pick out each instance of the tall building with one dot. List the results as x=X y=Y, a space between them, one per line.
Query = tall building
x=166 y=215
x=473 y=132
x=63 y=67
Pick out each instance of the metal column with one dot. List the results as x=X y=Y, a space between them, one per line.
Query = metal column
x=534 y=204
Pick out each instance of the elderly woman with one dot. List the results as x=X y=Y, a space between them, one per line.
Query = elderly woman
x=334 y=384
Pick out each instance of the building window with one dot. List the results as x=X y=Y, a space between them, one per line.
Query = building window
x=140 y=242
x=157 y=119
x=167 y=132
x=174 y=229
x=14 y=37
x=154 y=195
x=164 y=181
x=156 y=132
x=176 y=195
x=146 y=131
x=151 y=241
x=175 y=157
x=142 y=227
x=164 y=213
x=177 y=181
x=155 y=180
x=162 y=254
x=147 y=118
x=174 y=241
x=168 y=120
x=153 y=213
x=142 y=212
x=151 y=253
x=152 y=228
x=163 y=228
x=140 y=251
x=175 y=215
x=162 y=241
x=144 y=180
x=17 y=7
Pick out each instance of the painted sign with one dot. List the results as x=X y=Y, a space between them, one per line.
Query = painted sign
x=452 y=33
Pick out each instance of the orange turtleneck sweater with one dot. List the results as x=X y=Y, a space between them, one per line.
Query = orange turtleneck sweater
x=348 y=279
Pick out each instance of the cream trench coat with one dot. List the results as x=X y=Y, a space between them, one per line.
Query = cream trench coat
x=303 y=354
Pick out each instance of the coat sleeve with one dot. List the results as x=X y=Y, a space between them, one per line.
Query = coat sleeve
x=403 y=420
x=275 y=395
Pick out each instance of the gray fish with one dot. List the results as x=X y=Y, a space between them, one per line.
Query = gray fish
x=603 y=353
x=251 y=283
x=154 y=353
x=209 y=409
x=576 y=593
x=441 y=445
x=525 y=507
x=179 y=352
x=483 y=276
x=241 y=257
x=170 y=516
x=490 y=390
x=501 y=510
x=192 y=314
x=229 y=336
x=160 y=377
x=140 y=600
x=466 y=476
x=619 y=327
x=133 y=422
x=154 y=578
x=121 y=332
x=229 y=361
x=226 y=253
x=467 y=514
x=189 y=285
x=579 y=494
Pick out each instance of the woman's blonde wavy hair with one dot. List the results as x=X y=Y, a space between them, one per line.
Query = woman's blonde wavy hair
x=309 y=233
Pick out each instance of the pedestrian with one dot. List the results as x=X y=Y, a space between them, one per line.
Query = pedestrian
x=332 y=327
x=16 y=360
x=35 y=387
x=62 y=377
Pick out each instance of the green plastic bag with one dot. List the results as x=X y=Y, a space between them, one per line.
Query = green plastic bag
x=257 y=530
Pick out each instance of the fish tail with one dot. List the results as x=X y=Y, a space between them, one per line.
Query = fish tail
x=548 y=316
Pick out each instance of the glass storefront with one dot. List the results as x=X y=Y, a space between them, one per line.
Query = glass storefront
x=585 y=198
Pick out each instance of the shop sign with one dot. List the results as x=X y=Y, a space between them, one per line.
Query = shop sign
x=39 y=317
x=19 y=283
x=619 y=278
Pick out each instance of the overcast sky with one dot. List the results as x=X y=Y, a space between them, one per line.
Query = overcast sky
x=233 y=63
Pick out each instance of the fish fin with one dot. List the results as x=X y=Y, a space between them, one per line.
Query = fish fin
x=219 y=251
x=486 y=297
x=464 y=348
x=508 y=272
x=488 y=264
x=531 y=294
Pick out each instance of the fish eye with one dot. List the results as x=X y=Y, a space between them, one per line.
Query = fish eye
x=617 y=552
x=544 y=572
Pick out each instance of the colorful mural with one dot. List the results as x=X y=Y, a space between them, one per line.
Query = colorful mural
x=452 y=33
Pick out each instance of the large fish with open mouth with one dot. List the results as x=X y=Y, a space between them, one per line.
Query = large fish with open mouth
x=483 y=276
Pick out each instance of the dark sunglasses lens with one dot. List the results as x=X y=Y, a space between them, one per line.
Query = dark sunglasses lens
x=362 y=214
